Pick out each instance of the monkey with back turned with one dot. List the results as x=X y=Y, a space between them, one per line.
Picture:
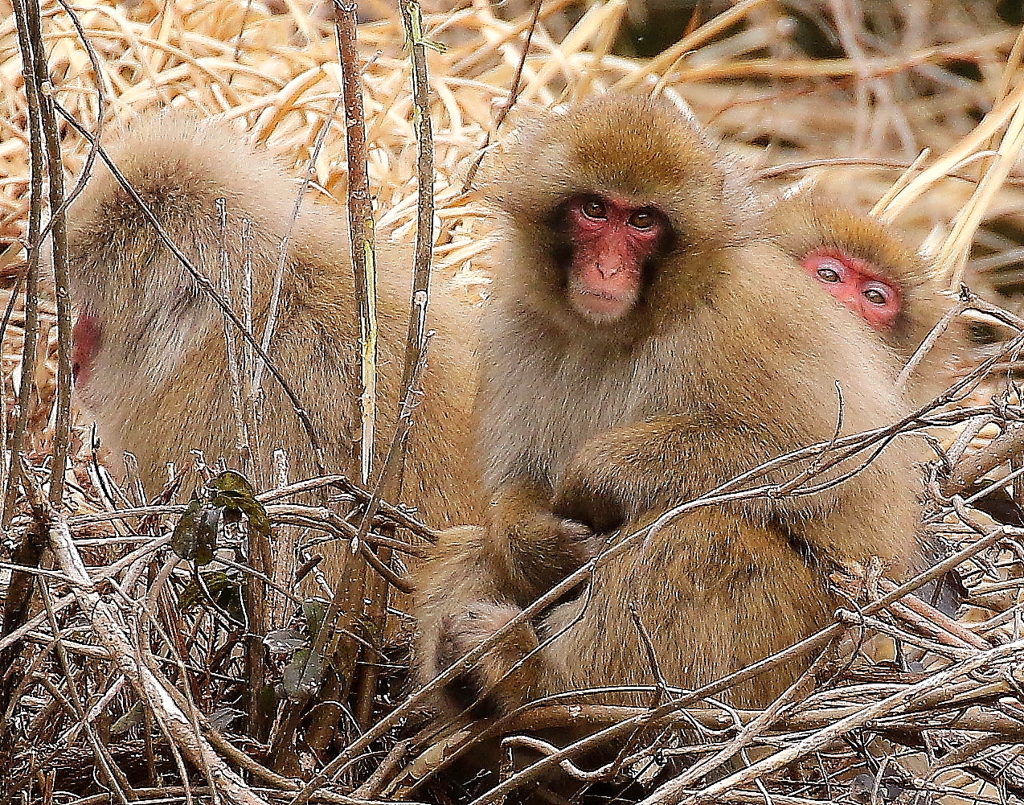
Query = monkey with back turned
x=150 y=359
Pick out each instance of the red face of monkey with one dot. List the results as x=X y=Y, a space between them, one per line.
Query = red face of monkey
x=851 y=282
x=611 y=242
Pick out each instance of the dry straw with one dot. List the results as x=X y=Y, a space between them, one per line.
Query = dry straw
x=122 y=688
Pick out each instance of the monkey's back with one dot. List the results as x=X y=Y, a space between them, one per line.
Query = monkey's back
x=713 y=594
x=161 y=383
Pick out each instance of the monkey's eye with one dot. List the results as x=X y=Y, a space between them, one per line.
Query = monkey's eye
x=642 y=219
x=826 y=274
x=875 y=296
x=594 y=208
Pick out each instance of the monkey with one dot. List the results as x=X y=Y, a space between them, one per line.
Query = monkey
x=864 y=265
x=868 y=269
x=150 y=360
x=648 y=340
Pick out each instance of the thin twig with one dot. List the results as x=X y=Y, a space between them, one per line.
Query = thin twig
x=360 y=227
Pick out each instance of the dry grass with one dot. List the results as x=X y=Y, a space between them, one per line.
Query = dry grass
x=118 y=690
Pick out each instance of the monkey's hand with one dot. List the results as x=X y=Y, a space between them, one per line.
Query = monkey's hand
x=622 y=473
x=459 y=603
x=499 y=681
x=535 y=547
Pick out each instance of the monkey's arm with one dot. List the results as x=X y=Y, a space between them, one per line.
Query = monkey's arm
x=535 y=536
x=619 y=476
x=533 y=539
x=529 y=547
x=621 y=473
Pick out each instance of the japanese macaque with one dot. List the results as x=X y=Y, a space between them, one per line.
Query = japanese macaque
x=864 y=265
x=646 y=343
x=151 y=361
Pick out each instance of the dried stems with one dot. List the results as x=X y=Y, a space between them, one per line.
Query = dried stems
x=360 y=222
x=934 y=701
x=31 y=326
x=136 y=661
x=412 y=19
x=34 y=52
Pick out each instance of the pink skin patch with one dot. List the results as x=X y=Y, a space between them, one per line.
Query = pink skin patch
x=852 y=283
x=87 y=336
x=611 y=241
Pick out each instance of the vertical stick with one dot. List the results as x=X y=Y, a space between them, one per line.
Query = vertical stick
x=31 y=328
x=361 y=227
x=413 y=21
x=40 y=76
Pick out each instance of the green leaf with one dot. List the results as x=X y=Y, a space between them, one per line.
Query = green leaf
x=135 y=715
x=284 y=641
x=233 y=483
x=223 y=587
x=223 y=717
x=224 y=500
x=314 y=610
x=195 y=536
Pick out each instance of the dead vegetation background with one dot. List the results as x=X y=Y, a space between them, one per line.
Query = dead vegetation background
x=130 y=676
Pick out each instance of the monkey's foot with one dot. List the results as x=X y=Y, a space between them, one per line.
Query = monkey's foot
x=501 y=680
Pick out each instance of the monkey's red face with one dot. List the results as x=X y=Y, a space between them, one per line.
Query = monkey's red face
x=87 y=335
x=851 y=281
x=611 y=242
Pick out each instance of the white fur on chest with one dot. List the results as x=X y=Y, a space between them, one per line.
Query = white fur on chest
x=560 y=397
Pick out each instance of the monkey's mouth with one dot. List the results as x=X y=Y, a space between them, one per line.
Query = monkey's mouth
x=600 y=307
x=87 y=336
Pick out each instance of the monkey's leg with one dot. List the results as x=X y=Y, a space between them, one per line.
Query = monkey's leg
x=460 y=603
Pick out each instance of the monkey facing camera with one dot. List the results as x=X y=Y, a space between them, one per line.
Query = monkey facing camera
x=865 y=266
x=656 y=330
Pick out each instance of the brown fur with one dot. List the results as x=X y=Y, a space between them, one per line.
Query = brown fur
x=730 y=358
x=807 y=222
x=160 y=383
